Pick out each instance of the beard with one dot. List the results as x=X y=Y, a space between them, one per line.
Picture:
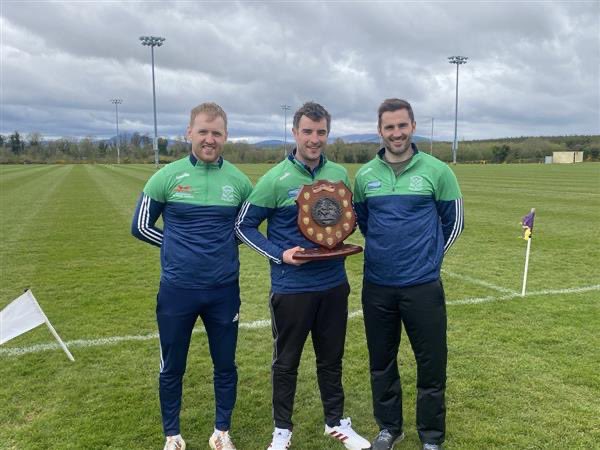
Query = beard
x=310 y=154
x=398 y=151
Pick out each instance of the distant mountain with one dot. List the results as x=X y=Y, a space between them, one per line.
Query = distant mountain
x=358 y=138
x=270 y=143
x=371 y=138
x=416 y=138
x=127 y=138
x=367 y=138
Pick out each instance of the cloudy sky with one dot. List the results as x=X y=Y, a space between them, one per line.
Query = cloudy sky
x=533 y=67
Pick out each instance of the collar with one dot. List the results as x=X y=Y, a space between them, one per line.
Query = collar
x=197 y=163
x=312 y=172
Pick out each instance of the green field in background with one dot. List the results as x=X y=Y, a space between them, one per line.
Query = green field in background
x=523 y=372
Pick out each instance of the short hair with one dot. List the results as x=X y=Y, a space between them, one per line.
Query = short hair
x=394 y=104
x=212 y=110
x=313 y=111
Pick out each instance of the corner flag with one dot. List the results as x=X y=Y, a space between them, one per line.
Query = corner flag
x=24 y=314
x=527 y=224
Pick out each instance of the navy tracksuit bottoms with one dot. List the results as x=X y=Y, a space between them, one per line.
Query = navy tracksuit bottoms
x=177 y=310
x=421 y=310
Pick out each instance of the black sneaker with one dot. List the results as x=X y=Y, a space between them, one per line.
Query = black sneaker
x=427 y=446
x=385 y=440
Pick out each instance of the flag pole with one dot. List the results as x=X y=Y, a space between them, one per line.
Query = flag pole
x=51 y=328
x=526 y=267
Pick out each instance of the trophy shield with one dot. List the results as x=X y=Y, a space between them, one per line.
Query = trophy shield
x=326 y=217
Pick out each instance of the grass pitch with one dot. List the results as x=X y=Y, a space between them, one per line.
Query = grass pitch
x=523 y=372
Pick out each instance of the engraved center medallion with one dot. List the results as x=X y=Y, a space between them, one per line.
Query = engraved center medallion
x=326 y=211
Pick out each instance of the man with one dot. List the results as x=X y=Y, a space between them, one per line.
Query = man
x=198 y=197
x=306 y=297
x=410 y=210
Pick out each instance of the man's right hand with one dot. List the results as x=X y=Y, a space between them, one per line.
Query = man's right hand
x=288 y=256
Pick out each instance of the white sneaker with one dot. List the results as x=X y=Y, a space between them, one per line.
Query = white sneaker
x=220 y=440
x=347 y=436
x=174 y=443
x=282 y=439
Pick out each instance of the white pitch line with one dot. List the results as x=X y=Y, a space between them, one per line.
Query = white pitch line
x=258 y=324
x=479 y=282
x=476 y=300
x=114 y=340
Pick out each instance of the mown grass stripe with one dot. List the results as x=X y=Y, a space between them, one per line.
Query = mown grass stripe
x=37 y=190
x=8 y=177
x=132 y=175
x=122 y=200
x=19 y=254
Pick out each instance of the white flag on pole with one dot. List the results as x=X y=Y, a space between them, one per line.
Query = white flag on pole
x=20 y=316
x=24 y=314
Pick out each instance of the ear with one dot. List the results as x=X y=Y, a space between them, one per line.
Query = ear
x=294 y=132
x=188 y=133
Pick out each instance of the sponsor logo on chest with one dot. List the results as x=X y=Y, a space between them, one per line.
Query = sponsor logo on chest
x=374 y=185
x=183 y=191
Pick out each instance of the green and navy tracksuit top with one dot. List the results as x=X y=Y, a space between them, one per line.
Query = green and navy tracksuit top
x=273 y=198
x=199 y=203
x=409 y=221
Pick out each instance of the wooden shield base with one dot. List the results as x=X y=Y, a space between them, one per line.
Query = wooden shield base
x=316 y=254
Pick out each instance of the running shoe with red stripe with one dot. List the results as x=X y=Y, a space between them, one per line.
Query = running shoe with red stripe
x=347 y=436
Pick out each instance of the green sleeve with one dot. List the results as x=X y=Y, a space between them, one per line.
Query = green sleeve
x=359 y=195
x=155 y=187
x=263 y=193
x=447 y=189
x=246 y=189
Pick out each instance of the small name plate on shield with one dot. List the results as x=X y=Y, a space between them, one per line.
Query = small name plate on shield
x=326 y=217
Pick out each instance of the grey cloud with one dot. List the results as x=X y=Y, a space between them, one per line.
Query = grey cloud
x=532 y=65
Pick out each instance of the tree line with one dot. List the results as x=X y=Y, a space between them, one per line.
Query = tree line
x=136 y=148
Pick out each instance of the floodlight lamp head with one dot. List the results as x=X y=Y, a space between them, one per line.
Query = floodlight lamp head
x=457 y=59
x=152 y=41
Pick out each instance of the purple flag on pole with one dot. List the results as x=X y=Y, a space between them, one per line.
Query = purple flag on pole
x=527 y=223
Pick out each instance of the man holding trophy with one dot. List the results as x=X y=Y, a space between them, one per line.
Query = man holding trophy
x=308 y=207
